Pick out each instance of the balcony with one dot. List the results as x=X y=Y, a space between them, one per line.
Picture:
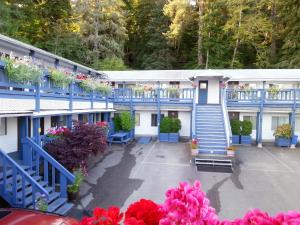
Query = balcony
x=265 y=97
x=183 y=96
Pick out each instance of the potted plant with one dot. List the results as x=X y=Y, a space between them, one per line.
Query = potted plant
x=246 y=132
x=173 y=92
x=283 y=135
x=231 y=151
x=273 y=92
x=42 y=204
x=103 y=88
x=60 y=79
x=194 y=146
x=169 y=129
x=236 y=131
x=73 y=190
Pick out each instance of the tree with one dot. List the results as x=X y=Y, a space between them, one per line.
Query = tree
x=102 y=27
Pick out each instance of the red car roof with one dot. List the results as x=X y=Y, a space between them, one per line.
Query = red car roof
x=12 y=216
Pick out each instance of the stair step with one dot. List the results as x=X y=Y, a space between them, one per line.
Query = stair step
x=28 y=191
x=212 y=152
x=56 y=204
x=64 y=208
x=28 y=200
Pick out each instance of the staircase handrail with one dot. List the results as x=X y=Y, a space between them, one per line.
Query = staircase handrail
x=226 y=118
x=31 y=180
x=51 y=160
x=194 y=115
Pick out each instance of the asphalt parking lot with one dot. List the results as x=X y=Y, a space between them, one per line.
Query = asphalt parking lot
x=267 y=178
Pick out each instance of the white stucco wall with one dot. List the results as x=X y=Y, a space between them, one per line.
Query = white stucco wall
x=7 y=104
x=213 y=93
x=9 y=142
x=145 y=127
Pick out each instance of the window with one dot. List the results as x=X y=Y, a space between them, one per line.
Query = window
x=252 y=119
x=279 y=120
x=83 y=118
x=97 y=118
x=137 y=119
x=174 y=84
x=54 y=121
x=173 y=114
x=3 y=126
x=154 y=119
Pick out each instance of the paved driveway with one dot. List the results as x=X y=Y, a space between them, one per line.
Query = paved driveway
x=267 y=178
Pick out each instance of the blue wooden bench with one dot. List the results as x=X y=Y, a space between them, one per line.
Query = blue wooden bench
x=120 y=137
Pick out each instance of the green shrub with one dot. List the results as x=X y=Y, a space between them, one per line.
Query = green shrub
x=60 y=79
x=235 y=127
x=127 y=122
x=170 y=125
x=284 y=131
x=165 y=125
x=175 y=125
x=117 y=123
x=246 y=127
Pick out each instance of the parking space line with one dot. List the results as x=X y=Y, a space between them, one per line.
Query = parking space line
x=277 y=159
x=269 y=170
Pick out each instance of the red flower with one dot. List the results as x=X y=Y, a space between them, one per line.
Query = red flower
x=133 y=221
x=102 y=124
x=145 y=211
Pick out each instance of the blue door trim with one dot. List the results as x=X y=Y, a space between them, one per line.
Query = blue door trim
x=203 y=92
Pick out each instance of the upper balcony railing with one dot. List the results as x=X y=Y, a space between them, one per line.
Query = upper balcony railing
x=176 y=96
x=257 y=96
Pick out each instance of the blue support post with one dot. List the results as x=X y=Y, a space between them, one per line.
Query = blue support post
x=105 y=116
x=71 y=90
x=91 y=118
x=158 y=110
x=261 y=111
x=293 y=117
x=63 y=186
x=92 y=99
x=36 y=130
x=257 y=126
x=26 y=150
x=69 y=121
x=106 y=101
x=38 y=97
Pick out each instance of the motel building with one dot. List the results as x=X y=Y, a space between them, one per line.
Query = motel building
x=205 y=101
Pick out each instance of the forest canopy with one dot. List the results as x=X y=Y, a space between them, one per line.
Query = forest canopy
x=160 y=34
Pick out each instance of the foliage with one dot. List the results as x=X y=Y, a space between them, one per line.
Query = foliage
x=57 y=132
x=60 y=79
x=273 y=91
x=87 y=85
x=117 y=122
x=110 y=64
x=284 y=131
x=127 y=122
x=170 y=125
x=76 y=146
x=235 y=127
x=246 y=127
x=22 y=71
x=74 y=188
x=103 y=88
x=42 y=204
x=174 y=92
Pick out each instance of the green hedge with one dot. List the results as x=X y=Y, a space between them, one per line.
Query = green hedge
x=235 y=127
x=170 y=125
x=246 y=127
x=127 y=122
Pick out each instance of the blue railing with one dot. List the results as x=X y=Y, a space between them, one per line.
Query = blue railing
x=257 y=96
x=35 y=157
x=184 y=95
x=14 y=182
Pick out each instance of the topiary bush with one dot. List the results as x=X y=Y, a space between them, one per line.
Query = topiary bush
x=284 y=131
x=117 y=123
x=165 y=125
x=235 y=127
x=127 y=122
x=170 y=125
x=246 y=127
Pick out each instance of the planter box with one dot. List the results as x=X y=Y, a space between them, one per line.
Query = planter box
x=246 y=139
x=174 y=137
x=295 y=140
x=282 y=142
x=169 y=137
x=235 y=139
x=163 y=137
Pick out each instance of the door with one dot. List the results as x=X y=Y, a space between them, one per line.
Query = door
x=203 y=89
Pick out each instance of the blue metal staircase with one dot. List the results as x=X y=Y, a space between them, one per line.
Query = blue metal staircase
x=39 y=176
x=210 y=130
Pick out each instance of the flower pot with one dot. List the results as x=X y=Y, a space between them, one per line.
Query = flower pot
x=73 y=196
x=163 y=137
x=235 y=139
x=230 y=153
x=295 y=140
x=174 y=137
x=246 y=139
x=282 y=141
